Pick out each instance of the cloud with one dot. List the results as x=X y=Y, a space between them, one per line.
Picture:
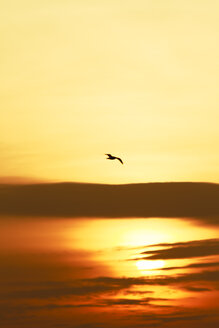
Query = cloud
x=192 y=200
x=71 y=287
x=183 y=250
x=192 y=265
x=61 y=316
x=76 y=296
x=180 y=317
x=103 y=302
x=204 y=276
x=106 y=285
x=128 y=301
x=197 y=289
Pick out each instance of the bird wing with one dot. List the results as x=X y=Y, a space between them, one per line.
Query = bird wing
x=119 y=160
x=109 y=155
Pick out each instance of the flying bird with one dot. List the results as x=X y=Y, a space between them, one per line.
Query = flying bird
x=114 y=157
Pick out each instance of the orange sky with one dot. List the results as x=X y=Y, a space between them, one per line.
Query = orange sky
x=83 y=78
x=137 y=79
x=57 y=271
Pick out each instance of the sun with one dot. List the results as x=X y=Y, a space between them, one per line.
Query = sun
x=149 y=265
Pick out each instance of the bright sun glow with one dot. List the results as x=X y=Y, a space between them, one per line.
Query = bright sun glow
x=149 y=265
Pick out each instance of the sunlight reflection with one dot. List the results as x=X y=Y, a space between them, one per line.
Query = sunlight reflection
x=149 y=265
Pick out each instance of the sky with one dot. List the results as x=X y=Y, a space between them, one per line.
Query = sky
x=137 y=79
x=82 y=255
x=87 y=242
x=155 y=272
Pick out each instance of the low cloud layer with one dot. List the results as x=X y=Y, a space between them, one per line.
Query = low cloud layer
x=57 y=293
x=192 y=265
x=92 y=287
x=191 y=200
x=183 y=250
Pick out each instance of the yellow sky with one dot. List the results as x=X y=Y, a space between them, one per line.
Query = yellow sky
x=138 y=79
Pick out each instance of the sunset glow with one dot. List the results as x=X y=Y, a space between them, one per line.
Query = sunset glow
x=109 y=164
x=149 y=265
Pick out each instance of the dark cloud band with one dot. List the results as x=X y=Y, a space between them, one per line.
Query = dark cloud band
x=193 y=200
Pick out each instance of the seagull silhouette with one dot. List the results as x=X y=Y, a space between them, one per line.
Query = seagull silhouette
x=114 y=157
